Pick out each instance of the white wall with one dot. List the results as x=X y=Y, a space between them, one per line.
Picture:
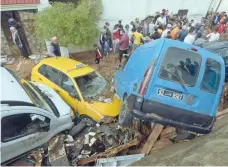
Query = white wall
x=127 y=10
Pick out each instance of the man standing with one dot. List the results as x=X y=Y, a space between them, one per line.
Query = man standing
x=182 y=34
x=215 y=19
x=123 y=45
x=161 y=20
x=175 y=31
x=108 y=35
x=54 y=47
x=190 y=38
x=221 y=28
x=165 y=32
x=138 y=38
x=214 y=36
x=17 y=41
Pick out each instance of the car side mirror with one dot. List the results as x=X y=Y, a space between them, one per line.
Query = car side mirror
x=44 y=127
x=74 y=95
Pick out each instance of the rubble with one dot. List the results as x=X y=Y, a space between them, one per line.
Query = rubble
x=7 y=60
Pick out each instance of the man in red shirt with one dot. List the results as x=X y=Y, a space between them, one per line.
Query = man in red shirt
x=221 y=27
x=123 y=45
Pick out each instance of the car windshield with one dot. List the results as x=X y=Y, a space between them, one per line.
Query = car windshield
x=91 y=85
x=180 y=66
x=41 y=101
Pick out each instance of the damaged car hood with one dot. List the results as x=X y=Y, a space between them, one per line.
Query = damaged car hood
x=62 y=107
x=108 y=107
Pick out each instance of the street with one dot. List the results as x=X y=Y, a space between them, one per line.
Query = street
x=209 y=150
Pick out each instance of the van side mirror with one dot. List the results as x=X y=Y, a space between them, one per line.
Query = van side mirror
x=74 y=95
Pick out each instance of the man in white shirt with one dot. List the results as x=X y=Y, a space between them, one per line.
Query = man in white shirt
x=165 y=32
x=214 y=36
x=161 y=20
x=190 y=38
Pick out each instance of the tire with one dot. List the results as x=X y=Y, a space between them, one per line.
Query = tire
x=77 y=129
x=184 y=135
x=87 y=120
x=125 y=117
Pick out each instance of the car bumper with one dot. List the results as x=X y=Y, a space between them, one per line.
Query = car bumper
x=166 y=115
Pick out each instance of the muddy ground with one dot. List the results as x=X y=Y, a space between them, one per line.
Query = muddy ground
x=107 y=66
x=208 y=150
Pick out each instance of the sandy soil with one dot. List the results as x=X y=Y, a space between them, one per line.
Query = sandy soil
x=209 y=150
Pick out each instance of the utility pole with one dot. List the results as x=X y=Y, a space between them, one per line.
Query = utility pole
x=218 y=6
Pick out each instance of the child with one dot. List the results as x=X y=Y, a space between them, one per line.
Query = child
x=98 y=55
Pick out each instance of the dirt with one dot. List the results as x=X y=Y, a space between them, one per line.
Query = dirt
x=208 y=150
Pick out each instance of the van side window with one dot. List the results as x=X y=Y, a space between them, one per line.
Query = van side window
x=20 y=125
x=50 y=73
x=180 y=65
x=211 y=77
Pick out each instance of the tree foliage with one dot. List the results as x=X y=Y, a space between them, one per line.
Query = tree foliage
x=76 y=25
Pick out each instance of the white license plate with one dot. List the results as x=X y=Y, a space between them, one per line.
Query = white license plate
x=167 y=93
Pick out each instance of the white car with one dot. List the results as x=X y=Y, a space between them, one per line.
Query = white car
x=31 y=114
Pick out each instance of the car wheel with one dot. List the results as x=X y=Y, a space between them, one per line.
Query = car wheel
x=125 y=117
x=89 y=121
x=77 y=129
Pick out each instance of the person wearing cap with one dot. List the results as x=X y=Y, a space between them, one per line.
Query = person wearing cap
x=165 y=32
x=54 y=47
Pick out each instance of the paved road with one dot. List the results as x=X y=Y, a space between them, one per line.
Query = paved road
x=210 y=150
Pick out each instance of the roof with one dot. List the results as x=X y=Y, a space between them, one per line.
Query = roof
x=212 y=46
x=10 y=5
x=66 y=65
x=10 y=2
x=11 y=90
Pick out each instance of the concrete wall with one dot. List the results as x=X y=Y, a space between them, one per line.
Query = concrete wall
x=127 y=10
x=5 y=49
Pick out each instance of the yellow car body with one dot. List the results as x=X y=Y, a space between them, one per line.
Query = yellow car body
x=64 y=74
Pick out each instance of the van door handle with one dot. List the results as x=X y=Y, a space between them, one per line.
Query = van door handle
x=41 y=79
x=57 y=91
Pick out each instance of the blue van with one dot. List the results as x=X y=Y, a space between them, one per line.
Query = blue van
x=171 y=83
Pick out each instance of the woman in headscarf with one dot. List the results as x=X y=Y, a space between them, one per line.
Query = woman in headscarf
x=17 y=41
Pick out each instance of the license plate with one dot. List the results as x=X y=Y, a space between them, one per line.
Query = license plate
x=167 y=93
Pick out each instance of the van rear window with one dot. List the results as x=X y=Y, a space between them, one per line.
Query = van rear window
x=211 y=77
x=180 y=65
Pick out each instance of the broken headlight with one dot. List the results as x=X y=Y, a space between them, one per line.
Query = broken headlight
x=107 y=119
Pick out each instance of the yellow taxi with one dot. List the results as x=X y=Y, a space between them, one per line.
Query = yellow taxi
x=80 y=86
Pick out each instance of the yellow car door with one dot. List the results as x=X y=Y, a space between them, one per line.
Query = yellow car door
x=68 y=92
x=46 y=75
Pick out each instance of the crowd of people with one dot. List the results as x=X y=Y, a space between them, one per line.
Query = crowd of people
x=122 y=39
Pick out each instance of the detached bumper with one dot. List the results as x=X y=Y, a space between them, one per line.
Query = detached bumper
x=166 y=115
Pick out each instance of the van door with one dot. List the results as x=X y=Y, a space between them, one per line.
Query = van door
x=176 y=79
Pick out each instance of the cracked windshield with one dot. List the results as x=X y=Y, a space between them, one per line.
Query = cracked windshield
x=91 y=85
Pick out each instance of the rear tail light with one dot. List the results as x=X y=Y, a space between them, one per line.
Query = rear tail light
x=145 y=81
x=194 y=49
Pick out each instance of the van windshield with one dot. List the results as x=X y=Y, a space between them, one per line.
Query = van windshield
x=180 y=65
x=91 y=85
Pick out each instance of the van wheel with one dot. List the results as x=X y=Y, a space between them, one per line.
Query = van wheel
x=125 y=117
x=89 y=121
x=184 y=135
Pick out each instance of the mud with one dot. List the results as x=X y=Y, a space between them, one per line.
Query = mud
x=209 y=150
